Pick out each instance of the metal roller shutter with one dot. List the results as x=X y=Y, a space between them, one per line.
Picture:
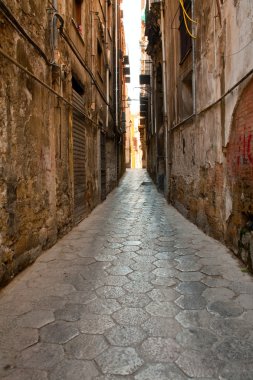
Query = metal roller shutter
x=79 y=157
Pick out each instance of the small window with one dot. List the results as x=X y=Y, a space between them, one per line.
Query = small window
x=77 y=13
x=99 y=60
x=185 y=38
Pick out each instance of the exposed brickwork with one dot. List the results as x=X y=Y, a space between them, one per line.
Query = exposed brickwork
x=240 y=173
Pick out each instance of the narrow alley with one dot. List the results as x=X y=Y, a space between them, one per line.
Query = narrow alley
x=135 y=291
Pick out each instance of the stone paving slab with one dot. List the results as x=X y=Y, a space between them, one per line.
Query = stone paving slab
x=134 y=292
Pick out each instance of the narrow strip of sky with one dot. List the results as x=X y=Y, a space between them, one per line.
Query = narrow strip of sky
x=132 y=24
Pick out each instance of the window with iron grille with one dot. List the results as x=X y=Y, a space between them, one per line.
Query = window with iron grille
x=185 y=38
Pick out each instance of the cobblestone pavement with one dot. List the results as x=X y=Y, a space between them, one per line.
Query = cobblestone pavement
x=134 y=292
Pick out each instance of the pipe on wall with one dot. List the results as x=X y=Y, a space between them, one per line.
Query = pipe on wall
x=165 y=106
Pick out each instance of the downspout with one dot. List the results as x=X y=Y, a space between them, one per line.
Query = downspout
x=107 y=67
x=165 y=113
x=116 y=88
x=116 y=66
x=193 y=66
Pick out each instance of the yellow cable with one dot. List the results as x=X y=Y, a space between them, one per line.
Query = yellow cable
x=185 y=21
x=184 y=10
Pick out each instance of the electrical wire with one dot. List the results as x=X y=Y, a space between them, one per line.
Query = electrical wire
x=21 y=67
x=239 y=51
x=185 y=15
x=14 y=22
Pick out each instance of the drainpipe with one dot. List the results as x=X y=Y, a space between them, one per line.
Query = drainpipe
x=193 y=66
x=107 y=67
x=116 y=65
x=165 y=114
x=55 y=30
x=116 y=88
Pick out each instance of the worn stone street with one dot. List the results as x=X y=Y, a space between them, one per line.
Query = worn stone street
x=136 y=292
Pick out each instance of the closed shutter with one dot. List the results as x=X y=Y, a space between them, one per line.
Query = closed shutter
x=79 y=157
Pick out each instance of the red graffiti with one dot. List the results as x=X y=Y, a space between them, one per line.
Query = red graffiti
x=245 y=155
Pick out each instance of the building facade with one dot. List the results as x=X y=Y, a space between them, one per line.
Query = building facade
x=62 y=142
x=202 y=57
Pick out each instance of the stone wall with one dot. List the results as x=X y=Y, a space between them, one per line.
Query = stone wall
x=36 y=137
x=211 y=152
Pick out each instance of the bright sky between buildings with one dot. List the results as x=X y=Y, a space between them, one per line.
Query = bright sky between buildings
x=132 y=24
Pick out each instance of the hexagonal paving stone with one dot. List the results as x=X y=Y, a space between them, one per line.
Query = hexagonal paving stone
x=138 y=286
x=166 y=255
x=58 y=332
x=234 y=371
x=197 y=364
x=124 y=336
x=160 y=350
x=146 y=252
x=214 y=282
x=119 y=270
x=110 y=292
x=131 y=248
x=25 y=374
x=189 y=276
x=160 y=372
x=86 y=347
x=41 y=356
x=115 y=280
x=245 y=301
x=70 y=313
x=36 y=319
x=190 y=287
x=163 y=327
x=241 y=287
x=163 y=295
x=147 y=267
x=134 y=300
x=164 y=281
x=74 y=370
x=191 y=302
x=164 y=309
x=194 y=318
x=218 y=294
x=105 y=257
x=165 y=263
x=164 y=272
x=101 y=306
x=196 y=339
x=18 y=338
x=225 y=309
x=81 y=297
x=212 y=270
x=141 y=276
x=231 y=327
x=131 y=316
x=235 y=349
x=132 y=242
x=188 y=266
x=144 y=259
x=119 y=361
x=95 y=324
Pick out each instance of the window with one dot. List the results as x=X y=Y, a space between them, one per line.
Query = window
x=99 y=60
x=77 y=13
x=185 y=38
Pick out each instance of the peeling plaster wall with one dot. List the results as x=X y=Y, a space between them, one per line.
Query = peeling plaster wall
x=200 y=185
x=36 y=143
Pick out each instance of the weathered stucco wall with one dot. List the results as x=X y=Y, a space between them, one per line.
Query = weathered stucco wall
x=211 y=176
x=36 y=126
x=35 y=188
